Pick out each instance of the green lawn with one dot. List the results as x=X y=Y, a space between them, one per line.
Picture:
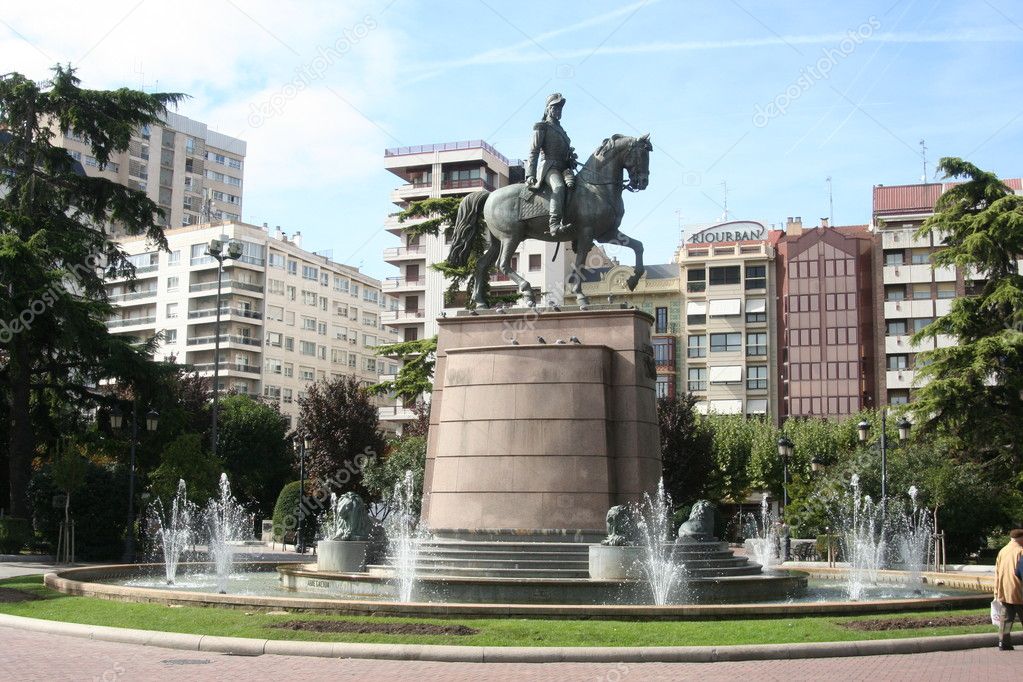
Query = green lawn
x=492 y=632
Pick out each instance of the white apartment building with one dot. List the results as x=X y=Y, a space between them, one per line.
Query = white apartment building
x=442 y=170
x=730 y=319
x=289 y=317
x=180 y=165
x=912 y=292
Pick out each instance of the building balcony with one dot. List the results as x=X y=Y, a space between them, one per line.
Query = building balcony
x=411 y=192
x=395 y=284
x=904 y=344
x=402 y=316
x=903 y=239
x=131 y=296
x=945 y=273
x=899 y=378
x=149 y=321
x=462 y=185
x=228 y=367
x=894 y=310
x=396 y=413
x=909 y=274
x=225 y=339
x=204 y=288
x=225 y=313
x=402 y=253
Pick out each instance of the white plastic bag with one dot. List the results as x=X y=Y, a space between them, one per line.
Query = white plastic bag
x=996 y=612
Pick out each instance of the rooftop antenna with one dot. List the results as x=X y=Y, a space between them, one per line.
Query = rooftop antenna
x=831 y=202
x=724 y=191
x=681 y=229
x=923 y=153
x=141 y=73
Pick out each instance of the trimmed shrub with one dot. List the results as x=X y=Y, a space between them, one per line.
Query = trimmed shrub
x=285 y=518
x=14 y=534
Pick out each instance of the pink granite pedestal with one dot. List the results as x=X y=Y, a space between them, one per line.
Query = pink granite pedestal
x=536 y=441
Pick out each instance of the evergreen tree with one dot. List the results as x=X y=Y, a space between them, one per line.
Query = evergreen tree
x=54 y=249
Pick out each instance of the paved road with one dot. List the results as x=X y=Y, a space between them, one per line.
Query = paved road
x=34 y=656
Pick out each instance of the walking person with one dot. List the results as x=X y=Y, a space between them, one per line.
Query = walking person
x=1009 y=586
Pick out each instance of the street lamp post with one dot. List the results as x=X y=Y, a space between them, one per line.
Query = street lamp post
x=863 y=431
x=116 y=422
x=304 y=443
x=785 y=451
x=216 y=251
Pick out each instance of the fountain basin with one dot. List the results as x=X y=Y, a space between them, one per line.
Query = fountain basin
x=341 y=556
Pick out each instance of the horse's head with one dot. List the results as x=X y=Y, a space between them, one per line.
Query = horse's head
x=632 y=154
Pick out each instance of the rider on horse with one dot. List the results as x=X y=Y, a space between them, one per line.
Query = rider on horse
x=559 y=161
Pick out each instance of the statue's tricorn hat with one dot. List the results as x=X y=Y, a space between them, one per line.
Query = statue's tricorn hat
x=555 y=99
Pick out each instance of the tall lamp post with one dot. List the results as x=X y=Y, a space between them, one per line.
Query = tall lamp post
x=304 y=443
x=863 y=431
x=116 y=422
x=216 y=251
x=785 y=451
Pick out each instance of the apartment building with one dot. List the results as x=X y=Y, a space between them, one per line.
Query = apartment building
x=730 y=323
x=193 y=173
x=289 y=317
x=909 y=292
x=659 y=294
x=826 y=321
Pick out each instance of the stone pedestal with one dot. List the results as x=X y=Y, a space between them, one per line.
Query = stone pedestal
x=341 y=556
x=615 y=563
x=535 y=439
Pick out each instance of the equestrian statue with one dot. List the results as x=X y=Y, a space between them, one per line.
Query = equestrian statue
x=555 y=204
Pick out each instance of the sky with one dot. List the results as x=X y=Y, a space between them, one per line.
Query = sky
x=751 y=106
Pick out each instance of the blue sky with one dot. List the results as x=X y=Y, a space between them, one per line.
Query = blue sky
x=768 y=97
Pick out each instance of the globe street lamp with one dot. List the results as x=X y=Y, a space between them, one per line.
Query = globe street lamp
x=863 y=430
x=116 y=422
x=785 y=451
x=216 y=251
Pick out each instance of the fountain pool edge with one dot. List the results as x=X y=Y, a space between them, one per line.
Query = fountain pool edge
x=80 y=582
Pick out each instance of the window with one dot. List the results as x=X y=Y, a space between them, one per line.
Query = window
x=898 y=397
x=289 y=369
x=726 y=274
x=756 y=343
x=371 y=364
x=898 y=362
x=172 y=311
x=535 y=262
x=289 y=318
x=321 y=328
x=946 y=290
x=664 y=352
x=170 y=336
x=756 y=378
x=277 y=260
x=353 y=360
x=895 y=328
x=756 y=276
x=287 y=397
x=309 y=297
x=276 y=286
x=340 y=283
x=309 y=323
x=174 y=258
x=307 y=348
x=306 y=374
x=697 y=379
x=275 y=312
x=172 y=283
x=756 y=311
x=696 y=312
x=292 y=267
x=369 y=341
x=921 y=322
x=198 y=255
x=337 y=356
x=921 y=257
x=310 y=272
x=696 y=280
x=893 y=258
x=289 y=343
x=324 y=303
x=324 y=279
x=292 y=293
x=274 y=339
x=273 y=366
x=697 y=346
x=921 y=291
x=663 y=387
x=661 y=318
x=355 y=289
x=895 y=292
x=272 y=392
x=730 y=341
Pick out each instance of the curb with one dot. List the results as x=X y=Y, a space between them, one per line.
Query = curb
x=489 y=654
x=26 y=559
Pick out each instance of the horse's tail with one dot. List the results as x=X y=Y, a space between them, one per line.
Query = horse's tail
x=466 y=223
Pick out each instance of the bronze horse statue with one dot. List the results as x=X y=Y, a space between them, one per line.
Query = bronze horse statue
x=594 y=212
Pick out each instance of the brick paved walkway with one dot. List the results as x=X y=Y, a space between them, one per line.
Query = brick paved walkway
x=33 y=656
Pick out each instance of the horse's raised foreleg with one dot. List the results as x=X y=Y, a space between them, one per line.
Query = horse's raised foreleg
x=637 y=246
x=508 y=246
x=482 y=273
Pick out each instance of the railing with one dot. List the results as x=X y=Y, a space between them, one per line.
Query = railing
x=694 y=287
x=397 y=282
x=399 y=251
x=394 y=315
x=446 y=147
x=130 y=322
x=227 y=283
x=139 y=269
x=211 y=312
x=466 y=184
x=224 y=338
x=208 y=367
x=133 y=296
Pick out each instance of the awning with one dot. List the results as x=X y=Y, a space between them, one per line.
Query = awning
x=756 y=406
x=729 y=374
x=696 y=308
x=726 y=406
x=724 y=306
x=756 y=305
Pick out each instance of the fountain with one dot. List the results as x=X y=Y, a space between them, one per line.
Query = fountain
x=225 y=521
x=173 y=530
x=862 y=538
x=665 y=575
x=404 y=537
x=762 y=536
x=913 y=536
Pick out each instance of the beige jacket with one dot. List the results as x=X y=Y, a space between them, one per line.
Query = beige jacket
x=1008 y=587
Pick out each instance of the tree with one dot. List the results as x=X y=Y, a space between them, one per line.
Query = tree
x=54 y=248
x=383 y=473
x=342 y=422
x=974 y=387
x=687 y=458
x=255 y=449
x=415 y=376
x=185 y=459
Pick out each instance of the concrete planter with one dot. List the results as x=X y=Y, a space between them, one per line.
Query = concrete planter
x=614 y=563
x=341 y=556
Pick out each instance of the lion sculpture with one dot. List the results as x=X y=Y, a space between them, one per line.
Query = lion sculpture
x=700 y=524
x=621 y=527
x=350 y=519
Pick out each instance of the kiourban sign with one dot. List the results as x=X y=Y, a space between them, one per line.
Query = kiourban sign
x=732 y=231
